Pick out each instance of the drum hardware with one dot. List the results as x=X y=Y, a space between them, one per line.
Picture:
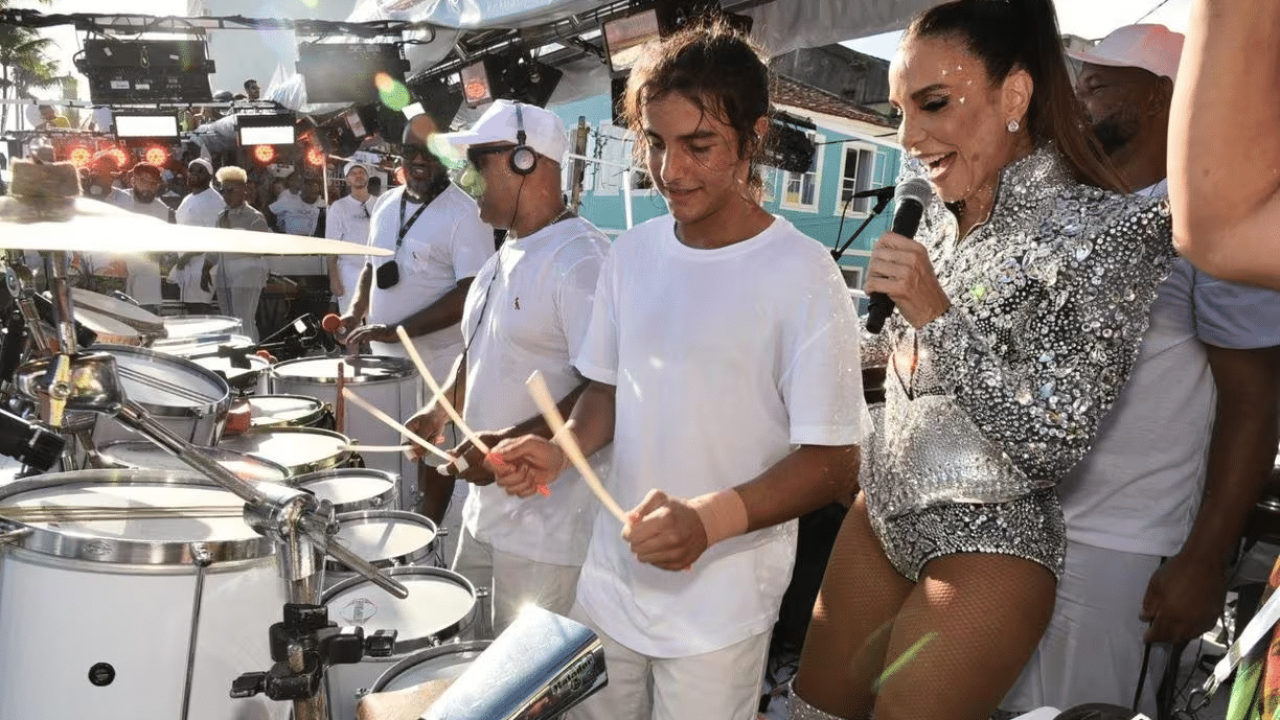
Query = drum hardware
x=303 y=646
x=29 y=442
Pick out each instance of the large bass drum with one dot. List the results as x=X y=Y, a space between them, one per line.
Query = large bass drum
x=132 y=594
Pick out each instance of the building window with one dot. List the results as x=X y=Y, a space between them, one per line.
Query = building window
x=859 y=164
x=800 y=191
x=852 y=277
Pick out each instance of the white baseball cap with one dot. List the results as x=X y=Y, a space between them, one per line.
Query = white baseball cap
x=346 y=170
x=1154 y=48
x=543 y=130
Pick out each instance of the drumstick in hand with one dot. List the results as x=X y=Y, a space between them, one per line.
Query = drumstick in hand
x=369 y=408
x=542 y=397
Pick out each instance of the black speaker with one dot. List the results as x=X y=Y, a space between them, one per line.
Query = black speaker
x=347 y=73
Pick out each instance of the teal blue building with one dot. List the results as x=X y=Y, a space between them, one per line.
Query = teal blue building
x=856 y=150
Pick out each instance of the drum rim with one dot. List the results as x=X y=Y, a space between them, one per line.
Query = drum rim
x=405 y=370
x=332 y=462
x=397 y=561
x=417 y=657
x=92 y=548
x=286 y=478
x=377 y=502
x=411 y=645
x=304 y=421
x=195 y=342
x=143 y=324
x=217 y=407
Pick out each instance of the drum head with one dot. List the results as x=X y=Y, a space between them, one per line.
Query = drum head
x=241 y=378
x=439 y=601
x=196 y=326
x=145 y=517
x=361 y=368
x=109 y=330
x=302 y=450
x=284 y=410
x=386 y=537
x=142 y=454
x=350 y=489
x=146 y=323
x=167 y=385
x=446 y=662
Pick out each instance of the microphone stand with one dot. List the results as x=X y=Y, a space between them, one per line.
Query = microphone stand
x=881 y=203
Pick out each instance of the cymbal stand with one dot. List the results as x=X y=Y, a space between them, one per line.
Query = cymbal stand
x=300 y=525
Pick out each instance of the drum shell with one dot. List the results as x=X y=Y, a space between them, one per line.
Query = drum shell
x=200 y=328
x=311 y=412
x=344 y=682
x=445 y=662
x=144 y=455
x=407 y=551
x=301 y=463
x=72 y=601
x=252 y=380
x=197 y=422
x=396 y=389
x=364 y=492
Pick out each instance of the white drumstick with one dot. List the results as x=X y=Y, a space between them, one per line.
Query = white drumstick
x=356 y=447
x=542 y=397
x=369 y=408
x=438 y=393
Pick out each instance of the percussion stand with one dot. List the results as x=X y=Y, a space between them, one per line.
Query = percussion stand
x=299 y=524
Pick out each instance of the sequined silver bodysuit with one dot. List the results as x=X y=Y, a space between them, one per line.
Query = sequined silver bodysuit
x=989 y=405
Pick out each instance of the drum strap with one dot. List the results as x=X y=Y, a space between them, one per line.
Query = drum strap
x=1253 y=633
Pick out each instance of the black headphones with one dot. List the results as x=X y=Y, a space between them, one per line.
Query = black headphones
x=523 y=159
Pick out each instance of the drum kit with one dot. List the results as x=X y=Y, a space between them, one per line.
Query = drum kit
x=146 y=578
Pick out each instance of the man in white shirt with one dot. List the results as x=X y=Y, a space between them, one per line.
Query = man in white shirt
x=349 y=221
x=723 y=361
x=1156 y=510
x=143 y=280
x=300 y=214
x=241 y=276
x=527 y=311
x=201 y=208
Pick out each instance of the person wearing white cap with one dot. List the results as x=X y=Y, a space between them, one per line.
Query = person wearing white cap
x=1224 y=150
x=526 y=312
x=1147 y=558
x=349 y=221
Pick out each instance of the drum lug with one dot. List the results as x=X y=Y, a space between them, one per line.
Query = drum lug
x=200 y=555
x=12 y=536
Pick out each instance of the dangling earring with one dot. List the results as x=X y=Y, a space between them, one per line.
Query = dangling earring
x=1013 y=126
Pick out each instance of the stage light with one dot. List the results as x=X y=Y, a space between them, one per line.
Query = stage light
x=315 y=156
x=80 y=156
x=156 y=155
x=511 y=75
x=475 y=85
x=270 y=129
x=264 y=154
x=152 y=126
x=120 y=156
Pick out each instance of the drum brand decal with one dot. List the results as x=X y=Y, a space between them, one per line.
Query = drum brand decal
x=359 y=611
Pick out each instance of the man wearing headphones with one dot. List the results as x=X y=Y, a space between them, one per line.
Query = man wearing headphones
x=527 y=311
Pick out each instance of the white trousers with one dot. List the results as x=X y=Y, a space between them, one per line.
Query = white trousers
x=1092 y=650
x=720 y=685
x=514 y=582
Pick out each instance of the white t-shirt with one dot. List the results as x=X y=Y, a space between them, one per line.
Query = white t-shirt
x=1139 y=488
x=528 y=310
x=295 y=216
x=348 y=221
x=445 y=245
x=200 y=208
x=724 y=360
x=143 y=283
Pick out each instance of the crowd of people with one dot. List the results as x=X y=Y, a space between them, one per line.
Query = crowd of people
x=1077 y=424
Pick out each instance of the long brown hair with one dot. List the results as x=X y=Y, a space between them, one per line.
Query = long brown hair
x=1011 y=34
x=719 y=70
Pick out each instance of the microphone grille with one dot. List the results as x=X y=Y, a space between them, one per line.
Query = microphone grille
x=917 y=189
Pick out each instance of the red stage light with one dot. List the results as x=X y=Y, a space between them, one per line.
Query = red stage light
x=156 y=155
x=80 y=156
x=121 y=157
x=264 y=153
x=315 y=156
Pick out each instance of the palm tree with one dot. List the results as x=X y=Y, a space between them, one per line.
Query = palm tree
x=24 y=64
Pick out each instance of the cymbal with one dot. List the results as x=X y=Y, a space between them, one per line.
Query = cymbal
x=84 y=225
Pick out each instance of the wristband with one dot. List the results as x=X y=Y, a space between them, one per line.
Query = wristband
x=723 y=514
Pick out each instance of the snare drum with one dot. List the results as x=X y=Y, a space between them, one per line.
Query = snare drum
x=266 y=411
x=301 y=450
x=385 y=539
x=352 y=489
x=389 y=383
x=440 y=604
x=184 y=397
x=446 y=662
x=122 y=323
x=195 y=328
x=146 y=455
x=104 y=611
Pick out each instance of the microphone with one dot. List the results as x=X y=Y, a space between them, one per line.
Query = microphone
x=911 y=197
x=878 y=193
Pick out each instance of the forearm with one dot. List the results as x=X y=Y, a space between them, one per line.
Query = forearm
x=440 y=314
x=811 y=477
x=537 y=424
x=592 y=419
x=1241 y=448
x=359 y=306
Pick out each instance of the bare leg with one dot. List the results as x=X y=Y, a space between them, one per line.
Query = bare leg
x=983 y=615
x=848 y=635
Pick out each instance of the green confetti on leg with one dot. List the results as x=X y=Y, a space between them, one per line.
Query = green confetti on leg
x=907 y=655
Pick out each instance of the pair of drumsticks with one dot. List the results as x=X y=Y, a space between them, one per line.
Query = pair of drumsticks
x=541 y=395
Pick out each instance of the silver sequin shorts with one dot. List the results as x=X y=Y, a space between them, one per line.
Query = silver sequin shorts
x=1030 y=527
